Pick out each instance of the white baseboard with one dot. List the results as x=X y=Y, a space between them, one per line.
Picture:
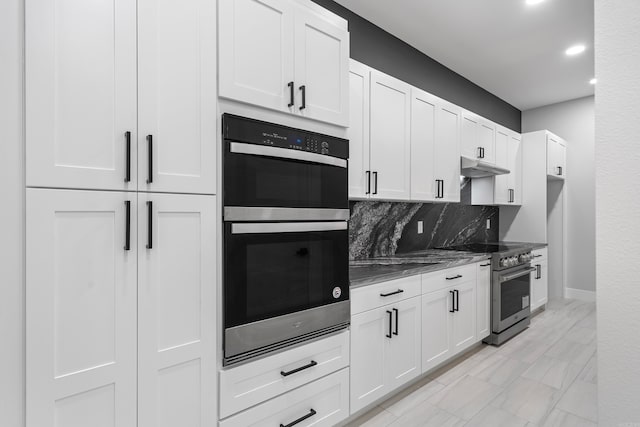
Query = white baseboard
x=580 y=294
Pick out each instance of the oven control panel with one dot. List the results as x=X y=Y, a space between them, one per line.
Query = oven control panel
x=241 y=129
x=516 y=259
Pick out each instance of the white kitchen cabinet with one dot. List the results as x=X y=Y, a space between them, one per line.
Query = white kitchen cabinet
x=176 y=309
x=80 y=99
x=502 y=193
x=358 y=132
x=483 y=298
x=404 y=362
x=539 y=278
x=556 y=157
x=283 y=56
x=390 y=138
x=81 y=294
x=324 y=402
x=463 y=325
x=478 y=137
x=436 y=331
x=177 y=96
x=435 y=139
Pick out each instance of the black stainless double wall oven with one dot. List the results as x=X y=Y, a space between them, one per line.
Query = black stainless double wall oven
x=286 y=245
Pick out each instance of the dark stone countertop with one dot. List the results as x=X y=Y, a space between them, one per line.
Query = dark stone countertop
x=381 y=269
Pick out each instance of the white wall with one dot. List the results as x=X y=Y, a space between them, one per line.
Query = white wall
x=11 y=216
x=617 y=32
x=574 y=121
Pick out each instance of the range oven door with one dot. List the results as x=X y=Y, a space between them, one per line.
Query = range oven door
x=282 y=281
x=511 y=296
x=283 y=182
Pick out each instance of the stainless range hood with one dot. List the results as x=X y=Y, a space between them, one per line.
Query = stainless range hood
x=475 y=168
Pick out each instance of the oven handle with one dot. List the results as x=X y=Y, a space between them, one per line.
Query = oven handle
x=285 y=153
x=516 y=275
x=286 y=227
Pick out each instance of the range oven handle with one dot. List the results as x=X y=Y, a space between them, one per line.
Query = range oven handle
x=285 y=153
x=516 y=275
x=286 y=227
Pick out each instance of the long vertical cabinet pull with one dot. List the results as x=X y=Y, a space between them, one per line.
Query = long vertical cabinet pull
x=538 y=271
x=290 y=94
x=150 y=155
x=390 y=324
x=368 y=174
x=457 y=299
x=149 y=225
x=303 y=88
x=127 y=225
x=395 y=310
x=127 y=173
x=375 y=182
x=453 y=301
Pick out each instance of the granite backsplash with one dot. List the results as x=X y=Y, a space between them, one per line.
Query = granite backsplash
x=388 y=228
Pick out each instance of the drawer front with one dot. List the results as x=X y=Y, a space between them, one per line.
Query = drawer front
x=258 y=381
x=325 y=402
x=539 y=255
x=374 y=296
x=451 y=276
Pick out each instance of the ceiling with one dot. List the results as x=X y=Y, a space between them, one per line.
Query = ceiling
x=511 y=49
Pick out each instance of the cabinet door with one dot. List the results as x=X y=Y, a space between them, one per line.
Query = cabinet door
x=447 y=151
x=81 y=308
x=463 y=330
x=556 y=162
x=390 y=137
x=502 y=195
x=483 y=298
x=80 y=94
x=424 y=109
x=177 y=96
x=436 y=325
x=403 y=362
x=176 y=310
x=255 y=52
x=369 y=332
x=539 y=284
x=486 y=140
x=470 y=145
x=321 y=69
x=562 y=159
x=515 y=166
x=358 y=132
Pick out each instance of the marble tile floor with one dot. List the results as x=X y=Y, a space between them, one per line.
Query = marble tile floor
x=546 y=377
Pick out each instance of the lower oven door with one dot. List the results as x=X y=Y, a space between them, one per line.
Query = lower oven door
x=511 y=296
x=283 y=281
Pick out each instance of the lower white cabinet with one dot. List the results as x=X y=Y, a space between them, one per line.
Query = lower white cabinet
x=385 y=350
x=255 y=382
x=483 y=297
x=539 y=278
x=118 y=333
x=323 y=402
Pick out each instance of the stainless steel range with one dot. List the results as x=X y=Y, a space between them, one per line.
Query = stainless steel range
x=510 y=287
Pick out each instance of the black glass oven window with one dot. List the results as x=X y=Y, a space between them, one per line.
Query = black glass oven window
x=251 y=180
x=272 y=274
x=514 y=296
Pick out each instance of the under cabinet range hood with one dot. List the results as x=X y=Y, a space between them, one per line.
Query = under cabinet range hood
x=475 y=168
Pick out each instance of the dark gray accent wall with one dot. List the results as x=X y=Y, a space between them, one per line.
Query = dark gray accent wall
x=379 y=49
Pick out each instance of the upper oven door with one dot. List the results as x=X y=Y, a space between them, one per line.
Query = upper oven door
x=257 y=176
x=273 y=269
x=511 y=296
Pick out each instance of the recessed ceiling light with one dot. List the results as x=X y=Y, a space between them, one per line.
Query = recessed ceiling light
x=532 y=2
x=574 y=50
x=593 y=81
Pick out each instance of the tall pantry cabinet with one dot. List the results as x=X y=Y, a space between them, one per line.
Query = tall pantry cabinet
x=120 y=287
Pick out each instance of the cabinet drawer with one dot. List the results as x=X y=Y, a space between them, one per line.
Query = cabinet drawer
x=539 y=255
x=255 y=382
x=373 y=296
x=449 y=277
x=325 y=402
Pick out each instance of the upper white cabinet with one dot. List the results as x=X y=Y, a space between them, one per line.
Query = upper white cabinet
x=119 y=98
x=556 y=157
x=283 y=56
x=390 y=138
x=435 y=148
x=81 y=294
x=80 y=95
x=177 y=96
x=478 y=137
x=358 y=132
